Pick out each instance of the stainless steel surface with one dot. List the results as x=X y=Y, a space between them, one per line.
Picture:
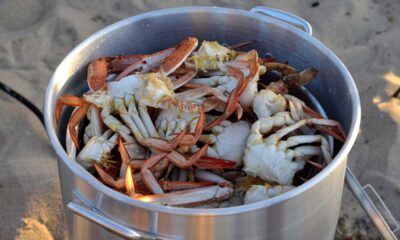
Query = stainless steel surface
x=103 y=221
x=284 y=16
x=369 y=207
x=308 y=212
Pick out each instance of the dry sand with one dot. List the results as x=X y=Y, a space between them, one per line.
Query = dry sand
x=35 y=35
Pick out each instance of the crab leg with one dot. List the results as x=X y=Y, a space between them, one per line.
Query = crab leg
x=110 y=181
x=125 y=164
x=191 y=197
x=177 y=185
x=148 y=177
x=136 y=164
x=177 y=57
x=235 y=94
x=138 y=132
x=214 y=163
x=180 y=161
x=163 y=145
x=145 y=62
x=69 y=100
x=204 y=175
x=175 y=158
x=232 y=100
x=190 y=139
x=201 y=91
x=75 y=119
x=184 y=79
x=328 y=126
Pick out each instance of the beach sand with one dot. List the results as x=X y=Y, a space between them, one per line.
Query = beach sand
x=35 y=35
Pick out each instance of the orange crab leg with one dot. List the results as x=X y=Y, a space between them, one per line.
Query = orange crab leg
x=120 y=63
x=69 y=100
x=180 y=161
x=184 y=79
x=334 y=132
x=328 y=126
x=229 y=109
x=148 y=177
x=315 y=164
x=163 y=145
x=125 y=158
x=136 y=164
x=182 y=51
x=190 y=139
x=214 y=163
x=235 y=94
x=177 y=185
x=139 y=62
x=190 y=197
x=75 y=119
x=107 y=179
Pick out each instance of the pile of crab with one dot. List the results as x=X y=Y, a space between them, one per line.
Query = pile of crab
x=187 y=127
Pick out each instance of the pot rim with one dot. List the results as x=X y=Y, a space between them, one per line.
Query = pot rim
x=55 y=84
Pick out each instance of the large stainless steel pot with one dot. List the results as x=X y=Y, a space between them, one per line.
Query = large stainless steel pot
x=308 y=212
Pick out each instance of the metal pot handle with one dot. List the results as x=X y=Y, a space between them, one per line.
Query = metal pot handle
x=285 y=17
x=103 y=221
x=371 y=209
x=107 y=223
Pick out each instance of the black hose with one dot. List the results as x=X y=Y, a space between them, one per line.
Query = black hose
x=23 y=100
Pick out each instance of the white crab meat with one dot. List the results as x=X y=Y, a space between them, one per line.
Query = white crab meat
x=210 y=56
x=97 y=149
x=276 y=160
x=271 y=163
x=173 y=121
x=259 y=192
x=157 y=87
x=267 y=103
x=225 y=84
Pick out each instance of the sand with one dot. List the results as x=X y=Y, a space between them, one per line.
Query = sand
x=35 y=35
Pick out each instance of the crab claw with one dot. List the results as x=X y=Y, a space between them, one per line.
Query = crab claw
x=69 y=100
x=75 y=119
x=97 y=74
x=182 y=51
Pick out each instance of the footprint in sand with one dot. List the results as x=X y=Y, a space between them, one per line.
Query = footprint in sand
x=18 y=14
x=33 y=230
